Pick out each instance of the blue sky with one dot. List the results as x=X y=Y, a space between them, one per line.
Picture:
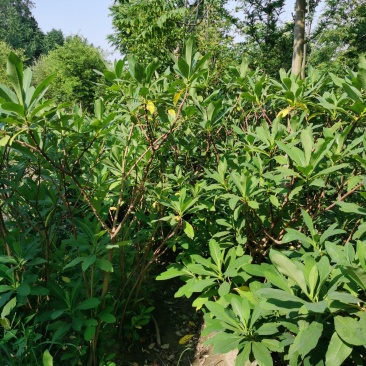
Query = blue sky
x=87 y=18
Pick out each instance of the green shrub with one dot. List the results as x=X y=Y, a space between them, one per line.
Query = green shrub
x=288 y=191
x=257 y=188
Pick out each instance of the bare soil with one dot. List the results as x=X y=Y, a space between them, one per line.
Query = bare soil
x=173 y=319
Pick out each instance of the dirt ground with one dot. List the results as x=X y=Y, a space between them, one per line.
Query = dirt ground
x=178 y=326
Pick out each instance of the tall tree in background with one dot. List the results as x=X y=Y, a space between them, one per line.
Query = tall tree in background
x=73 y=65
x=340 y=36
x=303 y=20
x=299 y=36
x=267 y=42
x=19 y=29
x=147 y=29
x=52 y=39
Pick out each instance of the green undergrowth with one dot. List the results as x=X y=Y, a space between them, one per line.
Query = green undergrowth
x=254 y=186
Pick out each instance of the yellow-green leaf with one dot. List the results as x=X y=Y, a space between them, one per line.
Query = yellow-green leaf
x=150 y=107
x=186 y=338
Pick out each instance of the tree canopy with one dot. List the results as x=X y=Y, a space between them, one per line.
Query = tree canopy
x=148 y=29
x=19 y=28
x=339 y=37
x=197 y=149
x=73 y=65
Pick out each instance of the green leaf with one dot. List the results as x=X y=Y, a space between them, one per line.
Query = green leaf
x=331 y=231
x=47 y=359
x=273 y=345
x=104 y=264
x=107 y=318
x=5 y=288
x=7 y=259
x=336 y=252
x=13 y=107
x=307 y=339
x=189 y=49
x=244 y=354
x=332 y=169
x=183 y=68
x=88 y=261
x=224 y=342
x=136 y=70
x=316 y=307
x=313 y=280
x=277 y=279
x=200 y=285
x=352 y=92
x=41 y=89
x=288 y=268
x=351 y=208
x=175 y=270
x=98 y=109
x=361 y=253
x=87 y=304
x=267 y=329
x=151 y=68
x=56 y=314
x=8 y=307
x=307 y=143
x=241 y=308
x=296 y=155
x=24 y=289
x=224 y=289
x=241 y=184
x=89 y=333
x=343 y=297
x=253 y=204
x=337 y=351
x=294 y=235
x=358 y=275
x=262 y=354
x=74 y=262
x=222 y=314
x=7 y=94
x=308 y=222
x=349 y=330
x=4 y=141
x=200 y=270
x=215 y=253
x=188 y=229
x=280 y=299
x=15 y=73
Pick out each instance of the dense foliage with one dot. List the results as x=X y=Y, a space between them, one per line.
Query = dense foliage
x=257 y=188
x=340 y=35
x=73 y=66
x=20 y=30
x=250 y=181
x=148 y=29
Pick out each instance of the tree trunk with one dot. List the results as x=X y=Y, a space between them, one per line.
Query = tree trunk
x=299 y=36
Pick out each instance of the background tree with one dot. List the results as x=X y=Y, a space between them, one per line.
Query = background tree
x=157 y=28
x=19 y=29
x=299 y=36
x=73 y=64
x=52 y=39
x=266 y=40
x=340 y=36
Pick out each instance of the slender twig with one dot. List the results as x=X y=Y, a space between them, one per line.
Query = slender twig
x=344 y=196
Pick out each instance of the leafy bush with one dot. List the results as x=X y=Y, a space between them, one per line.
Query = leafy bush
x=257 y=188
x=73 y=64
x=290 y=178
